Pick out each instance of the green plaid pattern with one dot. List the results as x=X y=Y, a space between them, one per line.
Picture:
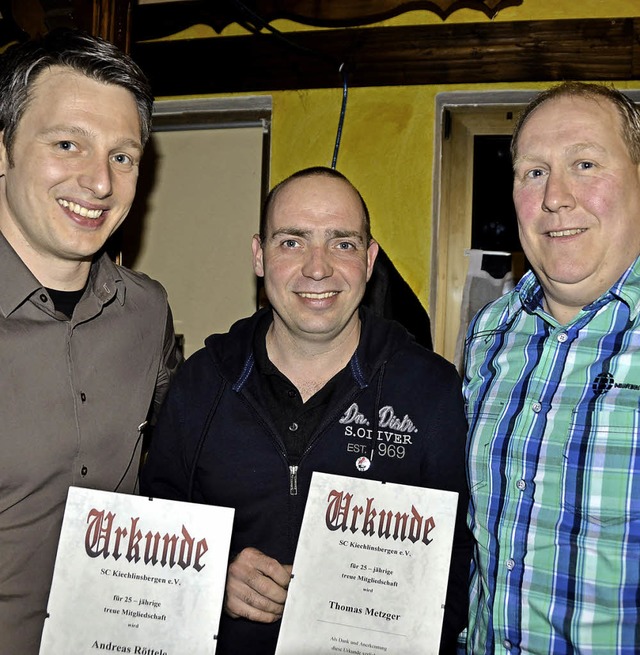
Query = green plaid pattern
x=554 y=473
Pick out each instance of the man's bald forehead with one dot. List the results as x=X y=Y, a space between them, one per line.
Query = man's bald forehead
x=300 y=178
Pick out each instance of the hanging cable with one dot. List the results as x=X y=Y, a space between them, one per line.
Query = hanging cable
x=343 y=111
x=257 y=23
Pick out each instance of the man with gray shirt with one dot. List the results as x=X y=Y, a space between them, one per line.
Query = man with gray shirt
x=87 y=347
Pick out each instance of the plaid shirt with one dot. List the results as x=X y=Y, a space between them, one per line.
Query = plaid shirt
x=554 y=473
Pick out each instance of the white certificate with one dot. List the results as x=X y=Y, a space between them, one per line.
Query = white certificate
x=137 y=575
x=371 y=569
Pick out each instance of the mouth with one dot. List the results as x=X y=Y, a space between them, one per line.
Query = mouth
x=80 y=210
x=567 y=233
x=317 y=296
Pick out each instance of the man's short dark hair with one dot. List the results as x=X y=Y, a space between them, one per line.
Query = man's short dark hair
x=628 y=111
x=310 y=172
x=96 y=58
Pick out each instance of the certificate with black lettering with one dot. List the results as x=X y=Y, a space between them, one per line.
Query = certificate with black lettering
x=137 y=575
x=371 y=569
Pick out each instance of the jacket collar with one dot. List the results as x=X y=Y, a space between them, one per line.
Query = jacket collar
x=233 y=351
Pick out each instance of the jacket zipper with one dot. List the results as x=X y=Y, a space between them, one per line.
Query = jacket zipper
x=293 y=480
x=293 y=470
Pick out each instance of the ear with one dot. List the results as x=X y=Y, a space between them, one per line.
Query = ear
x=372 y=253
x=4 y=156
x=258 y=254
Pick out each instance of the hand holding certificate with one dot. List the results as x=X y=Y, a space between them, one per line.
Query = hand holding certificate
x=371 y=568
x=256 y=587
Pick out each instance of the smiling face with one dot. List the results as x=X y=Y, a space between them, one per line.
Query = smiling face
x=315 y=260
x=577 y=197
x=72 y=176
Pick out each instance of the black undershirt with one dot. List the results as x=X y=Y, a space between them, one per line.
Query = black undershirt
x=296 y=421
x=65 y=301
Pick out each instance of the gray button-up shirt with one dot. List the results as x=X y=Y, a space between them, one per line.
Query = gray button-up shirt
x=73 y=394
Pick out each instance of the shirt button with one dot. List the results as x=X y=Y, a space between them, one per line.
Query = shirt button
x=521 y=484
x=291 y=393
x=510 y=564
x=562 y=337
x=507 y=644
x=293 y=427
x=536 y=407
x=84 y=471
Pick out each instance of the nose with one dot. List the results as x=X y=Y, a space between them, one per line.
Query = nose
x=96 y=177
x=317 y=264
x=557 y=193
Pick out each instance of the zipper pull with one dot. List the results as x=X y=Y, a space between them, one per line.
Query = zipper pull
x=293 y=480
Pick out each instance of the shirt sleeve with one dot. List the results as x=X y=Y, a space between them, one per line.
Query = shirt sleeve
x=165 y=471
x=177 y=437
x=445 y=469
x=171 y=360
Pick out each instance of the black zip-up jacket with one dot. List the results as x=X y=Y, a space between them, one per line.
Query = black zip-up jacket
x=215 y=443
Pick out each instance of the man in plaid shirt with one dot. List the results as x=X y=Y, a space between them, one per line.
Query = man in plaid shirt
x=552 y=388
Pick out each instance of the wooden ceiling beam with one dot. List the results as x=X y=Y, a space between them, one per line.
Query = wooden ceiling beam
x=468 y=53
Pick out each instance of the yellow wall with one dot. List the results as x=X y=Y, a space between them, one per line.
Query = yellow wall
x=388 y=137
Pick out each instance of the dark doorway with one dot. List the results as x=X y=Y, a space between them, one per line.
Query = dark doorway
x=494 y=225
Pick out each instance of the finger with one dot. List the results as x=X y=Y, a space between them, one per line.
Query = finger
x=243 y=601
x=271 y=570
x=236 y=607
x=264 y=587
x=251 y=592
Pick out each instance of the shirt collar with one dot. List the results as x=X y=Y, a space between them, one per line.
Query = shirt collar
x=266 y=367
x=528 y=293
x=627 y=288
x=105 y=280
x=23 y=283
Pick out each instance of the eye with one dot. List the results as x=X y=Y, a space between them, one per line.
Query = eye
x=290 y=243
x=123 y=160
x=66 y=145
x=585 y=165
x=534 y=173
x=345 y=245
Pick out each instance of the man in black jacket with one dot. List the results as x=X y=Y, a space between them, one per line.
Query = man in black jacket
x=308 y=384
